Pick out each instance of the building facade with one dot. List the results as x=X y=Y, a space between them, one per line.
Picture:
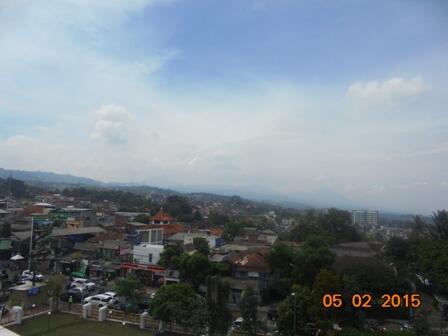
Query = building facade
x=365 y=219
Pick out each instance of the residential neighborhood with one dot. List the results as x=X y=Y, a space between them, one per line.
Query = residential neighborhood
x=132 y=258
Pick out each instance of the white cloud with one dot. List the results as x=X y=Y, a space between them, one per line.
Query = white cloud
x=388 y=93
x=113 y=124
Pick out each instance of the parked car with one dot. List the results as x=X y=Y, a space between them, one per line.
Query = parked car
x=113 y=295
x=28 y=275
x=237 y=324
x=85 y=283
x=99 y=300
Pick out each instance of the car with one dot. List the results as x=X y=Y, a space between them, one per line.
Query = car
x=78 y=290
x=28 y=275
x=113 y=295
x=80 y=282
x=237 y=324
x=99 y=300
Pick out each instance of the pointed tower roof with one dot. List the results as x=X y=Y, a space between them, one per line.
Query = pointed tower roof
x=162 y=216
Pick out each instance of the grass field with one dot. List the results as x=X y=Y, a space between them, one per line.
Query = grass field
x=72 y=325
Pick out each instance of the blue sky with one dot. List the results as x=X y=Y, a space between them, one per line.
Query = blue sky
x=293 y=98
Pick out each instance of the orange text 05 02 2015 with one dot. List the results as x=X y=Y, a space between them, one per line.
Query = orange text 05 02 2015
x=367 y=300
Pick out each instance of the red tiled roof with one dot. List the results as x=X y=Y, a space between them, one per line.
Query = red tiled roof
x=162 y=216
x=216 y=231
x=250 y=259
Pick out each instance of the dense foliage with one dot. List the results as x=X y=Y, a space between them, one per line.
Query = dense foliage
x=127 y=201
x=333 y=225
x=426 y=252
x=179 y=303
x=130 y=287
x=219 y=315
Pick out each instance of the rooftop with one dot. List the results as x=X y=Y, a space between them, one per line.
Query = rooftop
x=162 y=216
x=250 y=259
x=78 y=231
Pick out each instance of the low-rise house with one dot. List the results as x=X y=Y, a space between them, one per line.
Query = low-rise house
x=252 y=236
x=159 y=233
x=122 y=217
x=187 y=238
x=161 y=217
x=112 y=249
x=252 y=267
x=147 y=253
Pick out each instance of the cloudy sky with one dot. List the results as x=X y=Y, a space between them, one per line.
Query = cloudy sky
x=290 y=97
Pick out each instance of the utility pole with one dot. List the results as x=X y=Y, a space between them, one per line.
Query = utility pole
x=295 y=313
x=31 y=244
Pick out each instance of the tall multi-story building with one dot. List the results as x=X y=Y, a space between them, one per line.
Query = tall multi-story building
x=365 y=219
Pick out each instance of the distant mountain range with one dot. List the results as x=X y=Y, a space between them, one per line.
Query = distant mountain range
x=46 y=177
x=59 y=181
x=318 y=199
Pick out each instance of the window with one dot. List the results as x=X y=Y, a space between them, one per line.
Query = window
x=150 y=257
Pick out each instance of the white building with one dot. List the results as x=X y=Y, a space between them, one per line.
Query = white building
x=365 y=219
x=152 y=236
x=188 y=237
x=146 y=253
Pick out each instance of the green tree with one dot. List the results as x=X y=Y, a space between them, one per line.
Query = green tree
x=311 y=258
x=130 y=287
x=171 y=256
x=440 y=228
x=376 y=278
x=281 y=258
x=432 y=260
x=178 y=303
x=232 y=229
x=219 y=315
x=201 y=246
x=399 y=251
x=194 y=268
x=249 y=311
x=350 y=315
x=326 y=282
x=297 y=304
x=178 y=206
x=55 y=287
x=419 y=228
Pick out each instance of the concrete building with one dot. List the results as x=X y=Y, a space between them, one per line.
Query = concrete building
x=365 y=219
x=147 y=253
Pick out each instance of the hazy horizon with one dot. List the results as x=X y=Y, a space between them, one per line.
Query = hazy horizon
x=281 y=96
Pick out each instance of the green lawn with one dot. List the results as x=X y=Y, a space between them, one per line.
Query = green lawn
x=72 y=325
